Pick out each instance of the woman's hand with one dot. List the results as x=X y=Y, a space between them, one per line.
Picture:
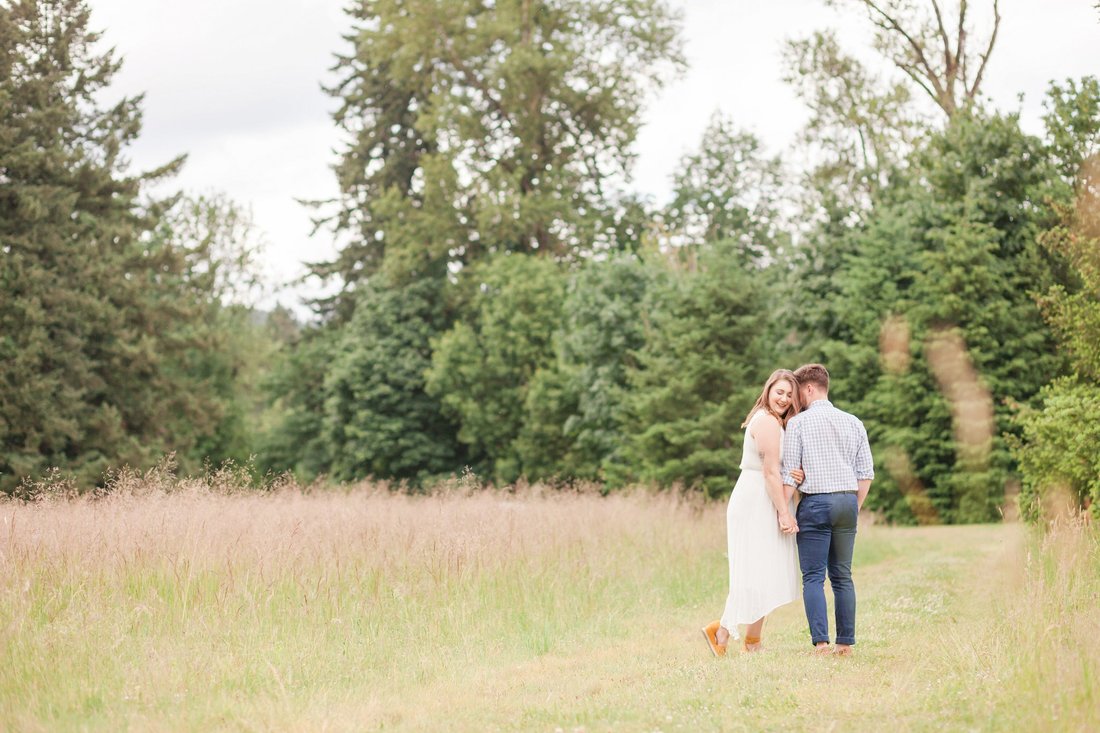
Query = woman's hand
x=798 y=476
x=787 y=524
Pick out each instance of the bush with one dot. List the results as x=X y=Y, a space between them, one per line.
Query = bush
x=1057 y=451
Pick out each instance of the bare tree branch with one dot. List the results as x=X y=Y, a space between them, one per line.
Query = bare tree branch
x=913 y=73
x=960 y=48
x=943 y=34
x=973 y=91
x=891 y=23
x=953 y=71
x=908 y=40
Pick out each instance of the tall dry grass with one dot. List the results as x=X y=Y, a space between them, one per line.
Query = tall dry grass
x=1047 y=638
x=189 y=603
x=195 y=605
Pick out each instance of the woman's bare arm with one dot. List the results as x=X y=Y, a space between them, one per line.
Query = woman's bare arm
x=767 y=434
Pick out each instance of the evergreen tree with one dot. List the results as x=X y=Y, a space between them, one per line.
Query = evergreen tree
x=482 y=368
x=100 y=311
x=706 y=354
x=945 y=269
x=378 y=418
x=710 y=338
x=298 y=440
x=862 y=131
x=574 y=408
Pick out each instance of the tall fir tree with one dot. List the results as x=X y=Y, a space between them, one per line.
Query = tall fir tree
x=378 y=419
x=100 y=323
x=710 y=338
x=707 y=351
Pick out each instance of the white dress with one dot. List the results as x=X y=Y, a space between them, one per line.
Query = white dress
x=764 y=570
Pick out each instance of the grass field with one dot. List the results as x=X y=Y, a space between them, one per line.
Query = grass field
x=529 y=610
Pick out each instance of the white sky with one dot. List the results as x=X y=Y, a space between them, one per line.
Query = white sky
x=236 y=85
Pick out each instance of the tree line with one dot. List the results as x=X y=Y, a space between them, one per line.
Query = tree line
x=504 y=303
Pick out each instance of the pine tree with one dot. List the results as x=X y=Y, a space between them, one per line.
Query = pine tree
x=101 y=332
x=706 y=354
x=378 y=419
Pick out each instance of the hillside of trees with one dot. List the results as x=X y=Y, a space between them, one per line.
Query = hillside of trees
x=503 y=302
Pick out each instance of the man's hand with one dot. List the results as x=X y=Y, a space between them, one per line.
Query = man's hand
x=787 y=524
x=798 y=476
x=864 y=487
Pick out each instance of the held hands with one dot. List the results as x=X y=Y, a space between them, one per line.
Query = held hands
x=787 y=524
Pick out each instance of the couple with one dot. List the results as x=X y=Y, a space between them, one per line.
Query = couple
x=794 y=428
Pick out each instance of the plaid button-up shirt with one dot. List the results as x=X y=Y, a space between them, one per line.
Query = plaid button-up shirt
x=831 y=446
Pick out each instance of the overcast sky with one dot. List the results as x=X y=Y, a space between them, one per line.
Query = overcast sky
x=236 y=85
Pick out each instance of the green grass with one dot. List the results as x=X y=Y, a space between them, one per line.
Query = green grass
x=531 y=611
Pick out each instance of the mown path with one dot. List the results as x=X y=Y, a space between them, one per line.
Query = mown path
x=926 y=658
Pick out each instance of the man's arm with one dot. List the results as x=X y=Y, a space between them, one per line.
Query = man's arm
x=865 y=467
x=861 y=493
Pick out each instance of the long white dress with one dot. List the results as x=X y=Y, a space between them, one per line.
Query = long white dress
x=764 y=570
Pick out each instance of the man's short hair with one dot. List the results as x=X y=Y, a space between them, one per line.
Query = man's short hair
x=815 y=374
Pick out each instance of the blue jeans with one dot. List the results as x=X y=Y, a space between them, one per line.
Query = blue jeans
x=826 y=538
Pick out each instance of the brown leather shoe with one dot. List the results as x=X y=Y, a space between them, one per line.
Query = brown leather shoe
x=710 y=633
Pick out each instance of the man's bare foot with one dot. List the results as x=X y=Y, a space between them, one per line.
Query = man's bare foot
x=822 y=649
x=843 y=650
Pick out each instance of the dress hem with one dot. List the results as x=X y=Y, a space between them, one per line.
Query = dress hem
x=733 y=630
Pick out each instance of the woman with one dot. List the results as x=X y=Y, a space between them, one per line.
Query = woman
x=763 y=560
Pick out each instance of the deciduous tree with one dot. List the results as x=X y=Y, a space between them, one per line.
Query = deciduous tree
x=1056 y=449
x=932 y=46
x=503 y=126
x=483 y=366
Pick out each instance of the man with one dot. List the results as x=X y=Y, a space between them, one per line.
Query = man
x=831 y=446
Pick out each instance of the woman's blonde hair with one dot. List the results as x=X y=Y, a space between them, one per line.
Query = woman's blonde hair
x=762 y=401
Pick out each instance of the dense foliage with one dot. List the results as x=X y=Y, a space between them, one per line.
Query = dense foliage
x=503 y=303
x=114 y=347
x=950 y=252
x=1057 y=452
